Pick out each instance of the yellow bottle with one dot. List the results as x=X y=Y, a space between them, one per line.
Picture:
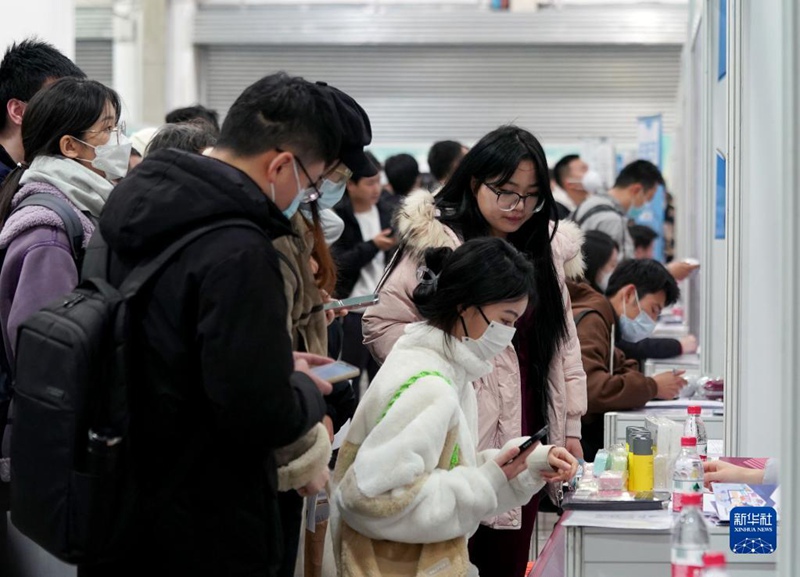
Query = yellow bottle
x=641 y=464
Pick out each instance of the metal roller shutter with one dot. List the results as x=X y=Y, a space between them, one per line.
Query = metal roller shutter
x=95 y=58
x=94 y=48
x=418 y=94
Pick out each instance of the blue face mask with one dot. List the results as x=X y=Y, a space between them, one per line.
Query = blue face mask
x=330 y=193
x=635 y=212
x=635 y=330
x=289 y=211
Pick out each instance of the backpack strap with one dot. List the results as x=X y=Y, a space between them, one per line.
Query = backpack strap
x=142 y=273
x=582 y=315
x=593 y=211
x=396 y=257
x=455 y=456
x=72 y=222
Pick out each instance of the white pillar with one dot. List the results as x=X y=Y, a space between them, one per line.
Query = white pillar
x=181 y=74
x=25 y=19
x=128 y=80
x=760 y=198
x=789 y=327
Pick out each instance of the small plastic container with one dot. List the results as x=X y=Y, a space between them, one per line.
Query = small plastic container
x=612 y=481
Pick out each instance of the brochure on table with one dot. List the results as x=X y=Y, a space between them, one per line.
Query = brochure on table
x=728 y=496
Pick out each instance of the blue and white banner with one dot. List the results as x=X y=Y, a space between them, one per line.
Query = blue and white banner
x=649 y=133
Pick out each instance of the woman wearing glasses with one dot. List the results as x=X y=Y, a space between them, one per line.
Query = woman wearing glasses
x=75 y=149
x=501 y=189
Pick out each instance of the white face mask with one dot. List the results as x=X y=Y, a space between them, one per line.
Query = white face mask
x=111 y=158
x=592 y=182
x=494 y=340
x=602 y=284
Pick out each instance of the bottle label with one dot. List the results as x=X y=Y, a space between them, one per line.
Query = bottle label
x=702 y=450
x=687 y=562
x=681 y=487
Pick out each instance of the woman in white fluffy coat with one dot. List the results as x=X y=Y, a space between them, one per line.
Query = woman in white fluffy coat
x=410 y=486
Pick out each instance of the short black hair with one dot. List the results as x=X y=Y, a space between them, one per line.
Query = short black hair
x=193 y=113
x=643 y=236
x=648 y=276
x=188 y=136
x=357 y=176
x=442 y=158
x=286 y=112
x=402 y=172
x=561 y=169
x=26 y=66
x=641 y=172
x=373 y=159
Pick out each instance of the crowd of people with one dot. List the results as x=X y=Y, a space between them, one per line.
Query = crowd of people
x=504 y=305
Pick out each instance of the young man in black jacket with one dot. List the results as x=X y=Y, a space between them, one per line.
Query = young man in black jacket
x=217 y=387
x=361 y=254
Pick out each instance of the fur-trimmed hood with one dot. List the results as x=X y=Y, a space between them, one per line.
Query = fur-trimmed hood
x=419 y=229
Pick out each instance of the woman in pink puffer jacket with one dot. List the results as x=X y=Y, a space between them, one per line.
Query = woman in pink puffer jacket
x=501 y=188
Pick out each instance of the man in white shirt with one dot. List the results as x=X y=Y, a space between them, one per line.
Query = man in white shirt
x=361 y=254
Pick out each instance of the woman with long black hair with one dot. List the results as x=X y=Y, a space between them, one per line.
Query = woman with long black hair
x=501 y=189
x=74 y=149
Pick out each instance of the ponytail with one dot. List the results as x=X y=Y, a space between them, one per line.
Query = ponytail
x=8 y=190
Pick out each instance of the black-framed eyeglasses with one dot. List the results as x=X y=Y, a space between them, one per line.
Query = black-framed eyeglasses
x=508 y=201
x=311 y=192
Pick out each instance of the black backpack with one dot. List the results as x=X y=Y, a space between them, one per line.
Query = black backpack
x=74 y=229
x=72 y=484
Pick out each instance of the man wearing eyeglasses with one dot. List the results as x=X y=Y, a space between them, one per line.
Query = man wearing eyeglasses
x=217 y=387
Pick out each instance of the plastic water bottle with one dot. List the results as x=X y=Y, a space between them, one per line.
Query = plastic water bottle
x=687 y=477
x=695 y=427
x=714 y=563
x=689 y=538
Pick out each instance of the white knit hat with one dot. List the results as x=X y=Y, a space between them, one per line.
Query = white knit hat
x=141 y=138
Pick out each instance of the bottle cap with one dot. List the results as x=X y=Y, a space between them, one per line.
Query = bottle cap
x=642 y=445
x=714 y=559
x=695 y=410
x=692 y=499
x=632 y=431
x=688 y=441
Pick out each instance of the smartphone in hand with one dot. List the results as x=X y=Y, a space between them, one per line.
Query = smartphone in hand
x=351 y=303
x=538 y=436
x=336 y=372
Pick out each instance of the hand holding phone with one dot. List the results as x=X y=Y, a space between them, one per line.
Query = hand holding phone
x=513 y=461
x=336 y=372
x=351 y=303
x=537 y=436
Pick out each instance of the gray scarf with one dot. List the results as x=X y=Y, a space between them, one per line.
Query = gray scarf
x=86 y=189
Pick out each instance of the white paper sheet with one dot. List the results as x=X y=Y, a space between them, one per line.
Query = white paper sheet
x=641 y=520
x=684 y=403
